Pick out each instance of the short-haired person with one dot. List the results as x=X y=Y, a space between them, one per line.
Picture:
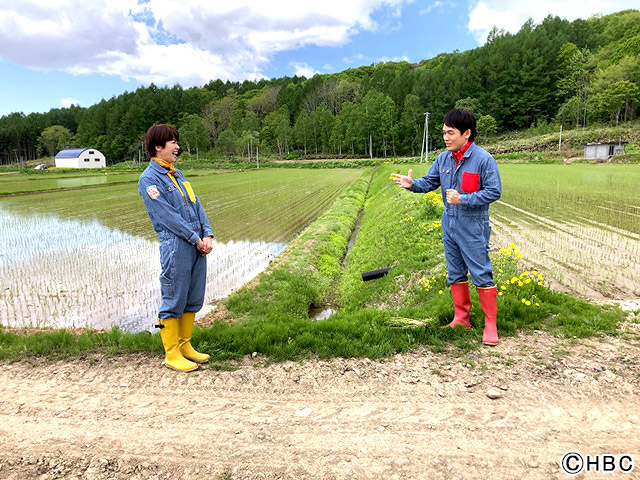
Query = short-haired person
x=470 y=181
x=185 y=236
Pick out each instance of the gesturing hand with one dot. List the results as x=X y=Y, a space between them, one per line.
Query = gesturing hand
x=404 y=181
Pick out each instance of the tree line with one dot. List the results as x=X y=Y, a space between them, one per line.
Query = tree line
x=571 y=73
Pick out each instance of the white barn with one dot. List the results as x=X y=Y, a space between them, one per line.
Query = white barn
x=80 y=158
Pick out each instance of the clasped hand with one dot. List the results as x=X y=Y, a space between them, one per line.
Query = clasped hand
x=205 y=245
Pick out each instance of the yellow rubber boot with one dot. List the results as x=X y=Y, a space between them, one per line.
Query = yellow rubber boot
x=173 y=358
x=186 y=330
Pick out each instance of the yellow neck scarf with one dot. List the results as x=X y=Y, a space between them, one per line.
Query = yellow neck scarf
x=172 y=171
x=163 y=163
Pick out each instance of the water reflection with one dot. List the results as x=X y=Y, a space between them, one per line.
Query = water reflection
x=66 y=273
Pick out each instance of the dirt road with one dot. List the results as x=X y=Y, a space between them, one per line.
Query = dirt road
x=416 y=416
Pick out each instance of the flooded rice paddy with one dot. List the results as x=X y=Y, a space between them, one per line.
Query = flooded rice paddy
x=82 y=274
x=88 y=257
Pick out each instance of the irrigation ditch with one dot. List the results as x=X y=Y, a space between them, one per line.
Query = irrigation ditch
x=322 y=312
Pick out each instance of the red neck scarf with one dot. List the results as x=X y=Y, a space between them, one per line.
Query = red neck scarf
x=459 y=155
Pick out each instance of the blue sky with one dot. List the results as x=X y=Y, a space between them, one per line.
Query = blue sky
x=53 y=54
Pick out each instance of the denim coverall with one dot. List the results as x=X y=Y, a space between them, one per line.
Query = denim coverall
x=465 y=227
x=180 y=221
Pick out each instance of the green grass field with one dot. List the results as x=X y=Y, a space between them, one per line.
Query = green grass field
x=398 y=312
x=15 y=182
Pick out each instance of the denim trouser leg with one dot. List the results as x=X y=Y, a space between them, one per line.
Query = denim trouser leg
x=195 y=297
x=466 y=249
x=183 y=277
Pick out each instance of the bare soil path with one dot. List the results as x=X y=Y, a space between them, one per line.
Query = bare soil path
x=415 y=416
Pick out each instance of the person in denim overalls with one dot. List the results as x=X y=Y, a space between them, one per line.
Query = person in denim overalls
x=470 y=181
x=185 y=237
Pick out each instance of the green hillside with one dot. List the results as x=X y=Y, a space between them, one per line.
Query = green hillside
x=574 y=74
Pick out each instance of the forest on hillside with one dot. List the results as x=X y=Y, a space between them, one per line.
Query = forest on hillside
x=571 y=73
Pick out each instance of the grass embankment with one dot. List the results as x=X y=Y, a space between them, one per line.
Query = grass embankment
x=374 y=318
x=547 y=138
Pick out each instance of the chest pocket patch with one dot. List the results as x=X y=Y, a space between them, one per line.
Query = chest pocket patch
x=470 y=182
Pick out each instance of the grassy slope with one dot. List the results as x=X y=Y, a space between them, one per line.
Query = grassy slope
x=547 y=137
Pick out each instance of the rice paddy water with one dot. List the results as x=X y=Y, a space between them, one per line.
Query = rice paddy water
x=42 y=285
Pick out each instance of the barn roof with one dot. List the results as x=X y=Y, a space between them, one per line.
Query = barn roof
x=70 y=152
x=605 y=143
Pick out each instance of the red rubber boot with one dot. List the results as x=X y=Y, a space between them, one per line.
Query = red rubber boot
x=489 y=306
x=461 y=304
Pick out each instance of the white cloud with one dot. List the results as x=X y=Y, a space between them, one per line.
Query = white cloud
x=510 y=15
x=51 y=35
x=303 y=69
x=66 y=102
x=439 y=5
x=354 y=58
x=400 y=58
x=168 y=41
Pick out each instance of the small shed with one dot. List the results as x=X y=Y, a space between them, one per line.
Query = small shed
x=80 y=158
x=604 y=150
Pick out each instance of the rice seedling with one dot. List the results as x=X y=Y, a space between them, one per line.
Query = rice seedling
x=581 y=223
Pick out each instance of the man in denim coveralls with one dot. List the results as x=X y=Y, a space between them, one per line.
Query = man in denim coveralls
x=470 y=181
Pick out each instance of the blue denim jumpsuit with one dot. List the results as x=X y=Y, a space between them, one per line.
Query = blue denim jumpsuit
x=180 y=221
x=465 y=227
